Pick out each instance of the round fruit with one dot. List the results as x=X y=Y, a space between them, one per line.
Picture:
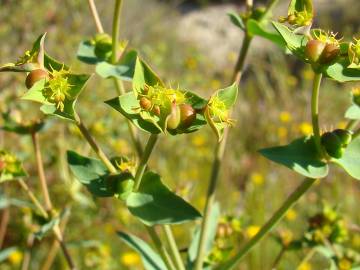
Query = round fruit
x=329 y=54
x=344 y=135
x=156 y=110
x=314 y=49
x=145 y=103
x=187 y=115
x=103 y=46
x=332 y=144
x=173 y=120
x=124 y=188
x=34 y=76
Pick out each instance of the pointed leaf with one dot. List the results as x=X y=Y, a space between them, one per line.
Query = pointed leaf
x=340 y=72
x=10 y=125
x=300 y=5
x=353 y=112
x=299 y=156
x=350 y=161
x=236 y=20
x=150 y=259
x=228 y=95
x=86 y=53
x=47 y=227
x=143 y=74
x=155 y=204
x=256 y=29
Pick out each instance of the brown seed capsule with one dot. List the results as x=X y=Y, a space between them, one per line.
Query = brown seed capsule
x=34 y=76
x=156 y=110
x=314 y=49
x=187 y=115
x=173 y=120
x=329 y=54
x=145 y=103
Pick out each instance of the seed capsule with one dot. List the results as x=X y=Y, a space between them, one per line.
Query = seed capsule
x=332 y=144
x=124 y=188
x=34 y=76
x=145 y=103
x=173 y=120
x=344 y=135
x=156 y=110
x=329 y=54
x=314 y=49
x=187 y=115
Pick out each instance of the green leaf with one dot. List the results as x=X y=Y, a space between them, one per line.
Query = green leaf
x=350 y=161
x=10 y=125
x=47 y=227
x=353 y=112
x=155 y=204
x=236 y=20
x=124 y=70
x=86 y=54
x=6 y=252
x=150 y=259
x=256 y=29
x=228 y=95
x=295 y=42
x=77 y=84
x=92 y=174
x=143 y=74
x=10 y=169
x=300 y=5
x=299 y=156
x=340 y=72
x=193 y=249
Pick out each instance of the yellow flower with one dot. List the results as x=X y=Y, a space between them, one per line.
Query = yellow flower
x=121 y=146
x=344 y=264
x=308 y=74
x=291 y=215
x=252 y=230
x=305 y=266
x=198 y=140
x=285 y=117
x=257 y=178
x=306 y=128
x=130 y=259
x=16 y=257
x=286 y=237
x=282 y=132
x=342 y=124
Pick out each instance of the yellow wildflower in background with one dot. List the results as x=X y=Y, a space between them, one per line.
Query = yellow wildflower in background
x=285 y=117
x=121 y=146
x=282 y=133
x=257 y=178
x=344 y=264
x=252 y=230
x=305 y=266
x=215 y=84
x=306 y=128
x=198 y=140
x=130 y=259
x=15 y=258
x=291 y=215
x=286 y=237
x=342 y=124
x=356 y=240
x=308 y=74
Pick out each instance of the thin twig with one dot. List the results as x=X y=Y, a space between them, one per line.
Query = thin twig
x=5 y=217
x=95 y=15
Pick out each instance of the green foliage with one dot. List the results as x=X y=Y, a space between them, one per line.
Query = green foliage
x=353 y=112
x=154 y=203
x=10 y=167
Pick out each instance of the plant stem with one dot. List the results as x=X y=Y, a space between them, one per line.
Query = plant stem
x=160 y=248
x=85 y=132
x=356 y=134
x=27 y=254
x=5 y=217
x=173 y=247
x=95 y=15
x=290 y=201
x=352 y=124
x=315 y=112
x=32 y=197
x=144 y=160
x=306 y=258
x=115 y=30
x=278 y=258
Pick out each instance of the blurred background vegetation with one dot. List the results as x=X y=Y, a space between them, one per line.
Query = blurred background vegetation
x=191 y=44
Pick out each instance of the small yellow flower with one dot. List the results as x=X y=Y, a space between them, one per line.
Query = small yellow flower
x=252 y=230
x=130 y=259
x=285 y=117
x=344 y=264
x=257 y=178
x=342 y=124
x=308 y=74
x=291 y=215
x=121 y=146
x=198 y=140
x=306 y=128
x=282 y=133
x=291 y=81
x=305 y=266
x=15 y=258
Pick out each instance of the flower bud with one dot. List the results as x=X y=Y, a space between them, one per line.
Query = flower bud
x=332 y=144
x=329 y=54
x=314 y=49
x=187 y=115
x=156 y=110
x=145 y=103
x=173 y=119
x=344 y=135
x=35 y=76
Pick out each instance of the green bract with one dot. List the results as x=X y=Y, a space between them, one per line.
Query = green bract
x=11 y=123
x=155 y=204
x=300 y=13
x=301 y=157
x=10 y=167
x=217 y=111
x=150 y=104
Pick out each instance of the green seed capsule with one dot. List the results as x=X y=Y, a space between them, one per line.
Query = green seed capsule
x=314 y=49
x=124 y=188
x=329 y=54
x=332 y=144
x=173 y=120
x=35 y=76
x=187 y=115
x=344 y=135
x=103 y=46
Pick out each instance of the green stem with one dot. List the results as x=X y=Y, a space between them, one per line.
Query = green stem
x=356 y=134
x=352 y=124
x=115 y=30
x=85 y=132
x=144 y=160
x=278 y=215
x=315 y=112
x=308 y=256
x=160 y=248
x=173 y=247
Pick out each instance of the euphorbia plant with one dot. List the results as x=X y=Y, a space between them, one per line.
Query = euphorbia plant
x=156 y=108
